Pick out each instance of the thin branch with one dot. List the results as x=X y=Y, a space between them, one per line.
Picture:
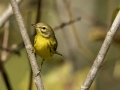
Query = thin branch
x=38 y=15
x=28 y=46
x=30 y=80
x=4 y=54
x=28 y=23
x=102 y=53
x=15 y=50
x=6 y=14
x=38 y=18
x=67 y=23
x=5 y=76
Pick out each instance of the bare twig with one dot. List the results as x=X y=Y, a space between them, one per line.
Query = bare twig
x=15 y=50
x=6 y=14
x=67 y=23
x=28 y=46
x=5 y=76
x=4 y=54
x=102 y=53
x=38 y=18
x=30 y=80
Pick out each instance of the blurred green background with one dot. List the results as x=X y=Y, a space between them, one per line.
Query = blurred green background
x=79 y=42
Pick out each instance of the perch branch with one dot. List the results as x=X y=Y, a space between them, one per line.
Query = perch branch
x=28 y=46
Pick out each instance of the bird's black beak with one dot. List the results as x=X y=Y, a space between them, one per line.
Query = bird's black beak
x=33 y=25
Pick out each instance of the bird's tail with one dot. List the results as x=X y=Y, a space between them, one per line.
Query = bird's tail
x=56 y=52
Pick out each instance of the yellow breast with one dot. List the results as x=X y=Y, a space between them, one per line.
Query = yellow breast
x=42 y=47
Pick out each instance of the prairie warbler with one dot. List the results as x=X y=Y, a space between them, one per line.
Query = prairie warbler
x=45 y=42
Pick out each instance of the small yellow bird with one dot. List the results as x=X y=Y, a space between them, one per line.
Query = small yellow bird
x=45 y=42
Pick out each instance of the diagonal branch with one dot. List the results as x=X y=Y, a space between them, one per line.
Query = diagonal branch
x=28 y=46
x=6 y=14
x=62 y=25
x=102 y=53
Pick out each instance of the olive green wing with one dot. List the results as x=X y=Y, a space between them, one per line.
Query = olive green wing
x=53 y=45
x=35 y=38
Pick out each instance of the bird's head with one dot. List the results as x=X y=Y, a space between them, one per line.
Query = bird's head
x=43 y=29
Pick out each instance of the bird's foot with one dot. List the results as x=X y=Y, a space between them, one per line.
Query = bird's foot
x=38 y=73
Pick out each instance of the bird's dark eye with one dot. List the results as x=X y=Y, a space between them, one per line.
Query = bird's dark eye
x=43 y=28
